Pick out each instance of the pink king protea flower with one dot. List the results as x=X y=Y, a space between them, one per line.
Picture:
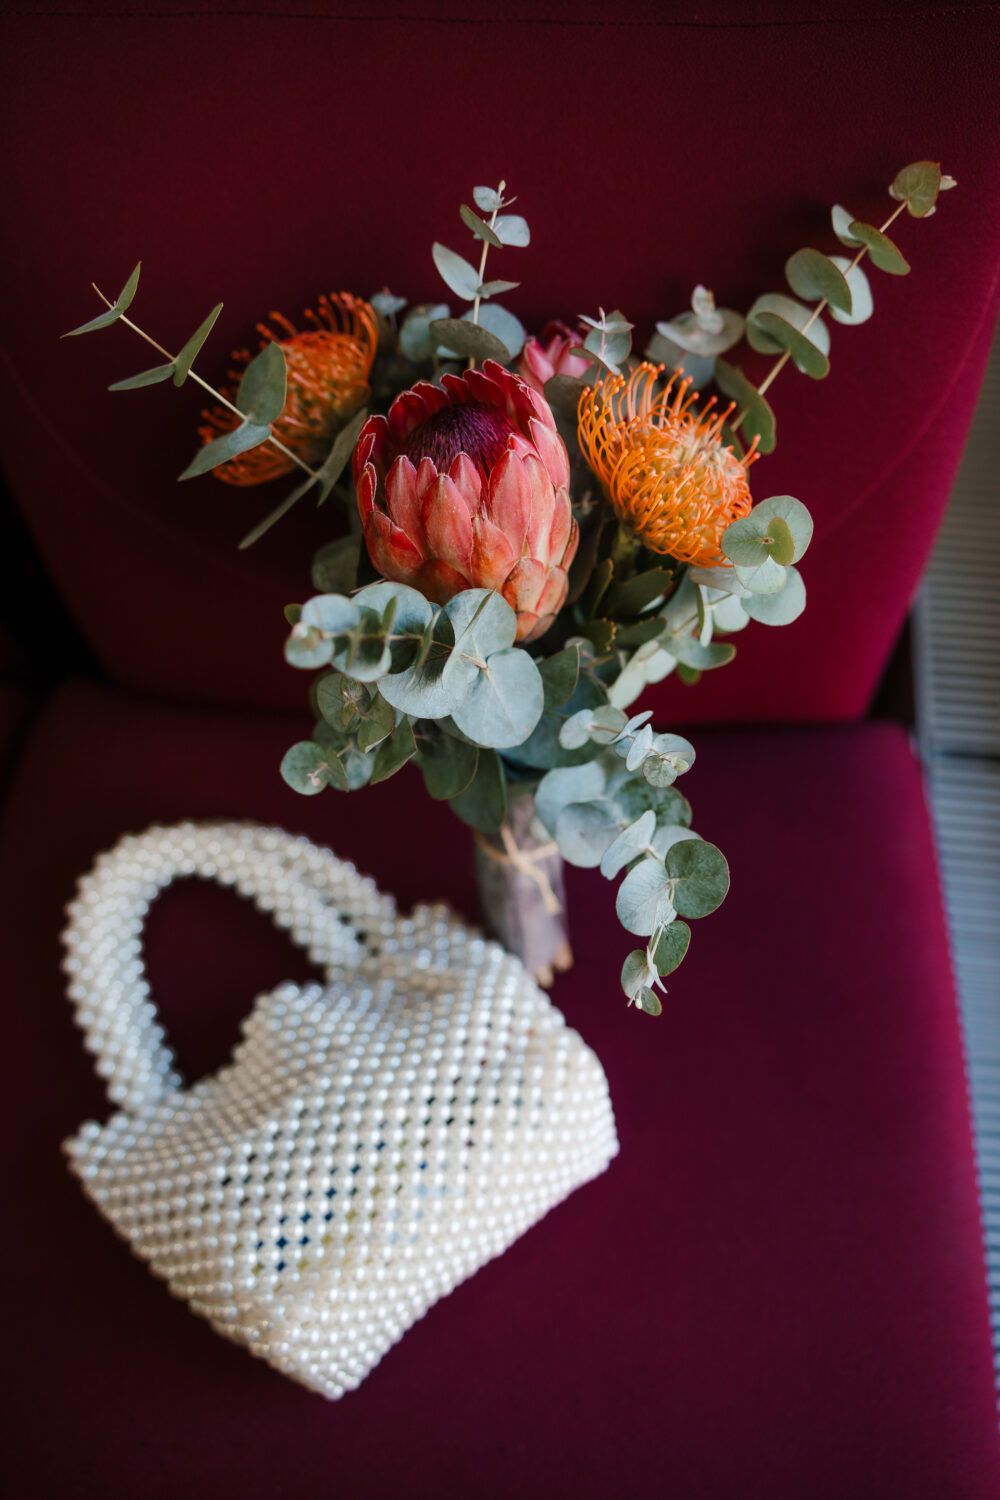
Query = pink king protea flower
x=540 y=360
x=466 y=485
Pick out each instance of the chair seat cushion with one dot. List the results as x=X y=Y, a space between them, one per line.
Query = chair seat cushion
x=776 y=1289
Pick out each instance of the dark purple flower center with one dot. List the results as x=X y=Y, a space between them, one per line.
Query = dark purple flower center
x=474 y=428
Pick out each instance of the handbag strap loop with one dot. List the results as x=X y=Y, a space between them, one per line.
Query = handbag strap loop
x=327 y=907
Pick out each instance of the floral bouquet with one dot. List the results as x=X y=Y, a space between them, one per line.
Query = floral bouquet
x=538 y=529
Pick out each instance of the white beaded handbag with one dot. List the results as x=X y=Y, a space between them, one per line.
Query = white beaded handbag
x=372 y=1142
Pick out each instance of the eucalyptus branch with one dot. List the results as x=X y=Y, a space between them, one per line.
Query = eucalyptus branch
x=482 y=259
x=218 y=396
x=821 y=306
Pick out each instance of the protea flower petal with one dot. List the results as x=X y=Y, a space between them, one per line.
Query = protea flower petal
x=391 y=550
x=448 y=525
x=464 y=485
x=493 y=556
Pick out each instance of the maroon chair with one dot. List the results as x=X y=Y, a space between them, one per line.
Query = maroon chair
x=778 y=1288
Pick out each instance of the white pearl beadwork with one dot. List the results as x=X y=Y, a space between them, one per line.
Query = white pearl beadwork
x=371 y=1143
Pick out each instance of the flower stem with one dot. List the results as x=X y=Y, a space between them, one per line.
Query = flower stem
x=482 y=266
x=192 y=375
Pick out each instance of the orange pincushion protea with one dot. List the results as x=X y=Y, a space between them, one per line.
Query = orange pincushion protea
x=328 y=367
x=671 y=480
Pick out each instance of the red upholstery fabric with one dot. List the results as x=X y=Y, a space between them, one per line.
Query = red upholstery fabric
x=264 y=157
x=777 y=1289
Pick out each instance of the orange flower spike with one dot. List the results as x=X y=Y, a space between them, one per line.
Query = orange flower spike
x=328 y=366
x=670 y=479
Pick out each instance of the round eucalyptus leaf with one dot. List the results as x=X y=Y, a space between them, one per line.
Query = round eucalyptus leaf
x=636 y=752
x=413 y=615
x=628 y=845
x=469 y=340
x=455 y=271
x=575 y=732
x=566 y=784
x=512 y=229
x=881 y=250
x=767 y=577
x=814 y=276
x=698 y=657
x=794 y=516
x=918 y=185
x=670 y=834
x=307 y=647
x=331 y=613
x=781 y=334
x=729 y=615
x=635 y=973
x=504 y=702
x=483 y=622
x=364 y=653
x=842 y=222
x=769 y=337
x=780 y=608
x=448 y=765
x=416 y=341
x=671 y=946
x=305 y=767
x=483 y=804
x=759 y=421
x=862 y=305
x=649 y=1002
x=635 y=796
x=643 y=902
x=504 y=327
x=700 y=875
x=584 y=830
x=436 y=684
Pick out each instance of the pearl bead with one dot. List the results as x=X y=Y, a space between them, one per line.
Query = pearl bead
x=320 y=1192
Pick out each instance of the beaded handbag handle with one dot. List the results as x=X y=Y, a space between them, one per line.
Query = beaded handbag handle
x=326 y=906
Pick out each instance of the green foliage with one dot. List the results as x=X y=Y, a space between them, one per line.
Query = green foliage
x=469 y=340
x=512 y=229
x=881 y=250
x=481 y=230
x=779 y=608
x=448 y=764
x=503 y=326
x=918 y=186
x=186 y=358
x=306 y=768
x=416 y=340
x=456 y=272
x=670 y=947
x=120 y=305
x=262 y=389
x=483 y=804
x=699 y=877
x=335 y=566
x=560 y=675
x=248 y=435
x=862 y=305
x=145 y=377
x=758 y=419
x=394 y=752
x=815 y=277
x=504 y=701
x=800 y=332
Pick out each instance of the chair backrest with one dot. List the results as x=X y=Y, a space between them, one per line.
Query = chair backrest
x=262 y=157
